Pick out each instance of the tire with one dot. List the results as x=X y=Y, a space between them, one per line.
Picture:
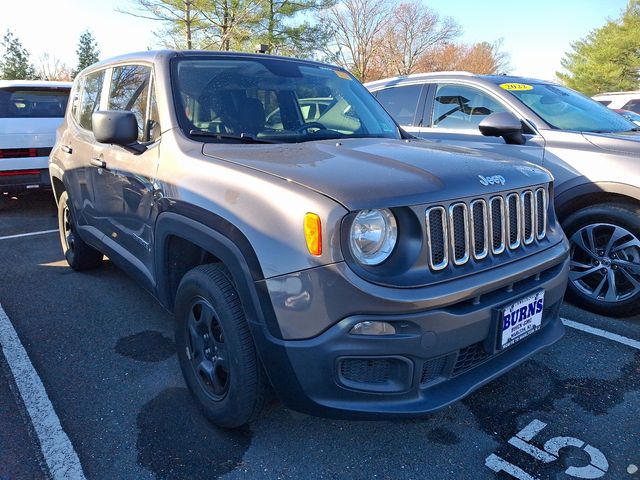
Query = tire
x=604 y=275
x=79 y=255
x=215 y=348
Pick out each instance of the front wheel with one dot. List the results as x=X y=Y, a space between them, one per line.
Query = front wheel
x=604 y=275
x=215 y=348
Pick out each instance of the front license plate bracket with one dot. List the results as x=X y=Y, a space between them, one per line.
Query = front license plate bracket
x=524 y=318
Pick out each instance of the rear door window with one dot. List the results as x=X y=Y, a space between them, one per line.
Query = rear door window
x=130 y=91
x=458 y=107
x=401 y=102
x=33 y=102
x=90 y=98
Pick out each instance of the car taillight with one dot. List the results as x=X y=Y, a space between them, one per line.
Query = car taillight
x=18 y=152
x=13 y=173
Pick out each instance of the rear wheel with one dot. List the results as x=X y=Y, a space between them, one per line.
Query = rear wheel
x=604 y=275
x=215 y=348
x=79 y=255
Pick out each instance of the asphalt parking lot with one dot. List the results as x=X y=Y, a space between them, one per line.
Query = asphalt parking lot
x=103 y=350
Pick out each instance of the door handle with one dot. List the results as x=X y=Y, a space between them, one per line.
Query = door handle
x=66 y=149
x=97 y=162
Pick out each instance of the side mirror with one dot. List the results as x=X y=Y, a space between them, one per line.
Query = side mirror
x=505 y=125
x=115 y=127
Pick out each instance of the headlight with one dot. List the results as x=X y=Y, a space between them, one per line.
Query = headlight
x=373 y=235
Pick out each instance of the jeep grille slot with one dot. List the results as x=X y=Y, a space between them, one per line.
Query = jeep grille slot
x=497 y=225
x=513 y=220
x=479 y=229
x=541 y=213
x=437 y=238
x=459 y=228
x=528 y=217
x=463 y=230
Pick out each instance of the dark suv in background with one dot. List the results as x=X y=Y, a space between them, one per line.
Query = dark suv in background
x=359 y=272
x=593 y=153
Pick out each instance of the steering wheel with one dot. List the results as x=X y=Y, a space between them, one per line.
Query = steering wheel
x=309 y=125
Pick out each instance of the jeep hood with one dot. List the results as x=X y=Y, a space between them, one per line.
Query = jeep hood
x=622 y=142
x=370 y=173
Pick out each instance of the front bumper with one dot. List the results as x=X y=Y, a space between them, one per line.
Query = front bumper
x=444 y=349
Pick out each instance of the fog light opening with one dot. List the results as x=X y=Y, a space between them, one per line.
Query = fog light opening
x=373 y=328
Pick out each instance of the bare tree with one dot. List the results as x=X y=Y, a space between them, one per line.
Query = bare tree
x=230 y=22
x=355 y=28
x=52 y=68
x=204 y=24
x=415 y=30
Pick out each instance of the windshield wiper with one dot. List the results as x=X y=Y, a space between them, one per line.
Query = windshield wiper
x=243 y=137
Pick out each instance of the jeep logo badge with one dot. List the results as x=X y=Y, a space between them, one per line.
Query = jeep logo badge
x=486 y=181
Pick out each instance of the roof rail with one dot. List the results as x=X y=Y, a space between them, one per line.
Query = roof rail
x=422 y=75
x=618 y=93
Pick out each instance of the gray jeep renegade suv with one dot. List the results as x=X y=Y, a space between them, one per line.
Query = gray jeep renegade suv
x=306 y=245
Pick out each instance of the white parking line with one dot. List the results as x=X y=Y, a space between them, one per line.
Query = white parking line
x=61 y=458
x=602 y=333
x=28 y=234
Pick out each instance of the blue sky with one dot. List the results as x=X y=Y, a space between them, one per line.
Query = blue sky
x=535 y=34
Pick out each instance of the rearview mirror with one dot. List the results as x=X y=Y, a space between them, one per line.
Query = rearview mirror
x=505 y=125
x=115 y=127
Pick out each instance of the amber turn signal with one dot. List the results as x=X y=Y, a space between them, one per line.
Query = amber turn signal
x=313 y=233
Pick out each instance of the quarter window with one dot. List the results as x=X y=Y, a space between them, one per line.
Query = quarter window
x=90 y=100
x=401 y=102
x=633 y=105
x=130 y=91
x=458 y=107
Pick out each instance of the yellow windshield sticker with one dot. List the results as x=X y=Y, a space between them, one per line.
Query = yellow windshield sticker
x=344 y=75
x=516 y=86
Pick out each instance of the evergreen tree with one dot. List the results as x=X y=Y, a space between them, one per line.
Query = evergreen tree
x=15 y=64
x=87 y=51
x=283 y=35
x=608 y=59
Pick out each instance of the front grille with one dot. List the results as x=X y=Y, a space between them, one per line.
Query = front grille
x=469 y=357
x=432 y=369
x=360 y=370
x=464 y=230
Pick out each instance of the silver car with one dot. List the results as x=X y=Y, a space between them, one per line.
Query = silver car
x=592 y=152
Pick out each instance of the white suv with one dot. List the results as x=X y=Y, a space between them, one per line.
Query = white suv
x=30 y=113
x=620 y=100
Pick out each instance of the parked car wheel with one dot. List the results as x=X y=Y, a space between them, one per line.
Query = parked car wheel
x=605 y=259
x=216 y=350
x=79 y=255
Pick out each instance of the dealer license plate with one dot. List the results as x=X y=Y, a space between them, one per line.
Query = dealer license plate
x=521 y=319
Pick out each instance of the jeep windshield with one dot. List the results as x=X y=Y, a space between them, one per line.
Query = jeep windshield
x=222 y=99
x=565 y=109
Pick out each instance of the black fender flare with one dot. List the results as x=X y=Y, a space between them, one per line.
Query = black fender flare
x=567 y=193
x=223 y=240
x=220 y=238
